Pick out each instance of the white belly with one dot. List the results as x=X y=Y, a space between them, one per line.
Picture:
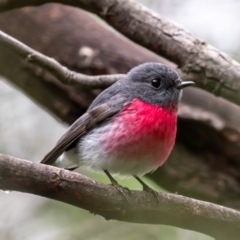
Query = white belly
x=90 y=155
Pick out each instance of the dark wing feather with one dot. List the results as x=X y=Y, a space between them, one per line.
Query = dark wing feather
x=81 y=126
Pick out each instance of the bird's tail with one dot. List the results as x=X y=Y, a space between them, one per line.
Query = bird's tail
x=68 y=160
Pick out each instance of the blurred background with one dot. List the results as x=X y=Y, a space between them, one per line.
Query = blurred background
x=28 y=132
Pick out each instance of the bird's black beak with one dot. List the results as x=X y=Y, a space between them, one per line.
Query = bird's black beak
x=184 y=84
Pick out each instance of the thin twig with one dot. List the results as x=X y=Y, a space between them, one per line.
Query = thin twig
x=75 y=189
x=62 y=73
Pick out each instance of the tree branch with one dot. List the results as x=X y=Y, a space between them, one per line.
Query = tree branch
x=211 y=69
x=62 y=73
x=62 y=101
x=105 y=200
x=207 y=169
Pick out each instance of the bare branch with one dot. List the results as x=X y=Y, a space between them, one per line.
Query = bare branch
x=80 y=191
x=62 y=73
x=199 y=185
x=211 y=69
x=207 y=173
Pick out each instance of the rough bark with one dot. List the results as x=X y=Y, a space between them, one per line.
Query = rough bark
x=208 y=136
x=140 y=207
x=209 y=68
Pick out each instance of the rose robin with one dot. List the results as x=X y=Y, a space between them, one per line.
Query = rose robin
x=129 y=129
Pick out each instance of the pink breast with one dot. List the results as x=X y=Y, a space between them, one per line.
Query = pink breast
x=142 y=131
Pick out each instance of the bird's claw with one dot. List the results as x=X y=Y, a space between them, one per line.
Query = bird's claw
x=147 y=189
x=122 y=190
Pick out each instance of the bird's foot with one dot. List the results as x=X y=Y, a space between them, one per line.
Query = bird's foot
x=147 y=189
x=122 y=190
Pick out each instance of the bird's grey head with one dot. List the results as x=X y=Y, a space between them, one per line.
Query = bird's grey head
x=155 y=83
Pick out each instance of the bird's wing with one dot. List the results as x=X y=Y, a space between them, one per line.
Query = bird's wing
x=81 y=126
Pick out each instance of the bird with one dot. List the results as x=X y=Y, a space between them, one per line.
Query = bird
x=129 y=129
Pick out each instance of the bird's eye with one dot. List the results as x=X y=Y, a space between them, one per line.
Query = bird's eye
x=156 y=83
